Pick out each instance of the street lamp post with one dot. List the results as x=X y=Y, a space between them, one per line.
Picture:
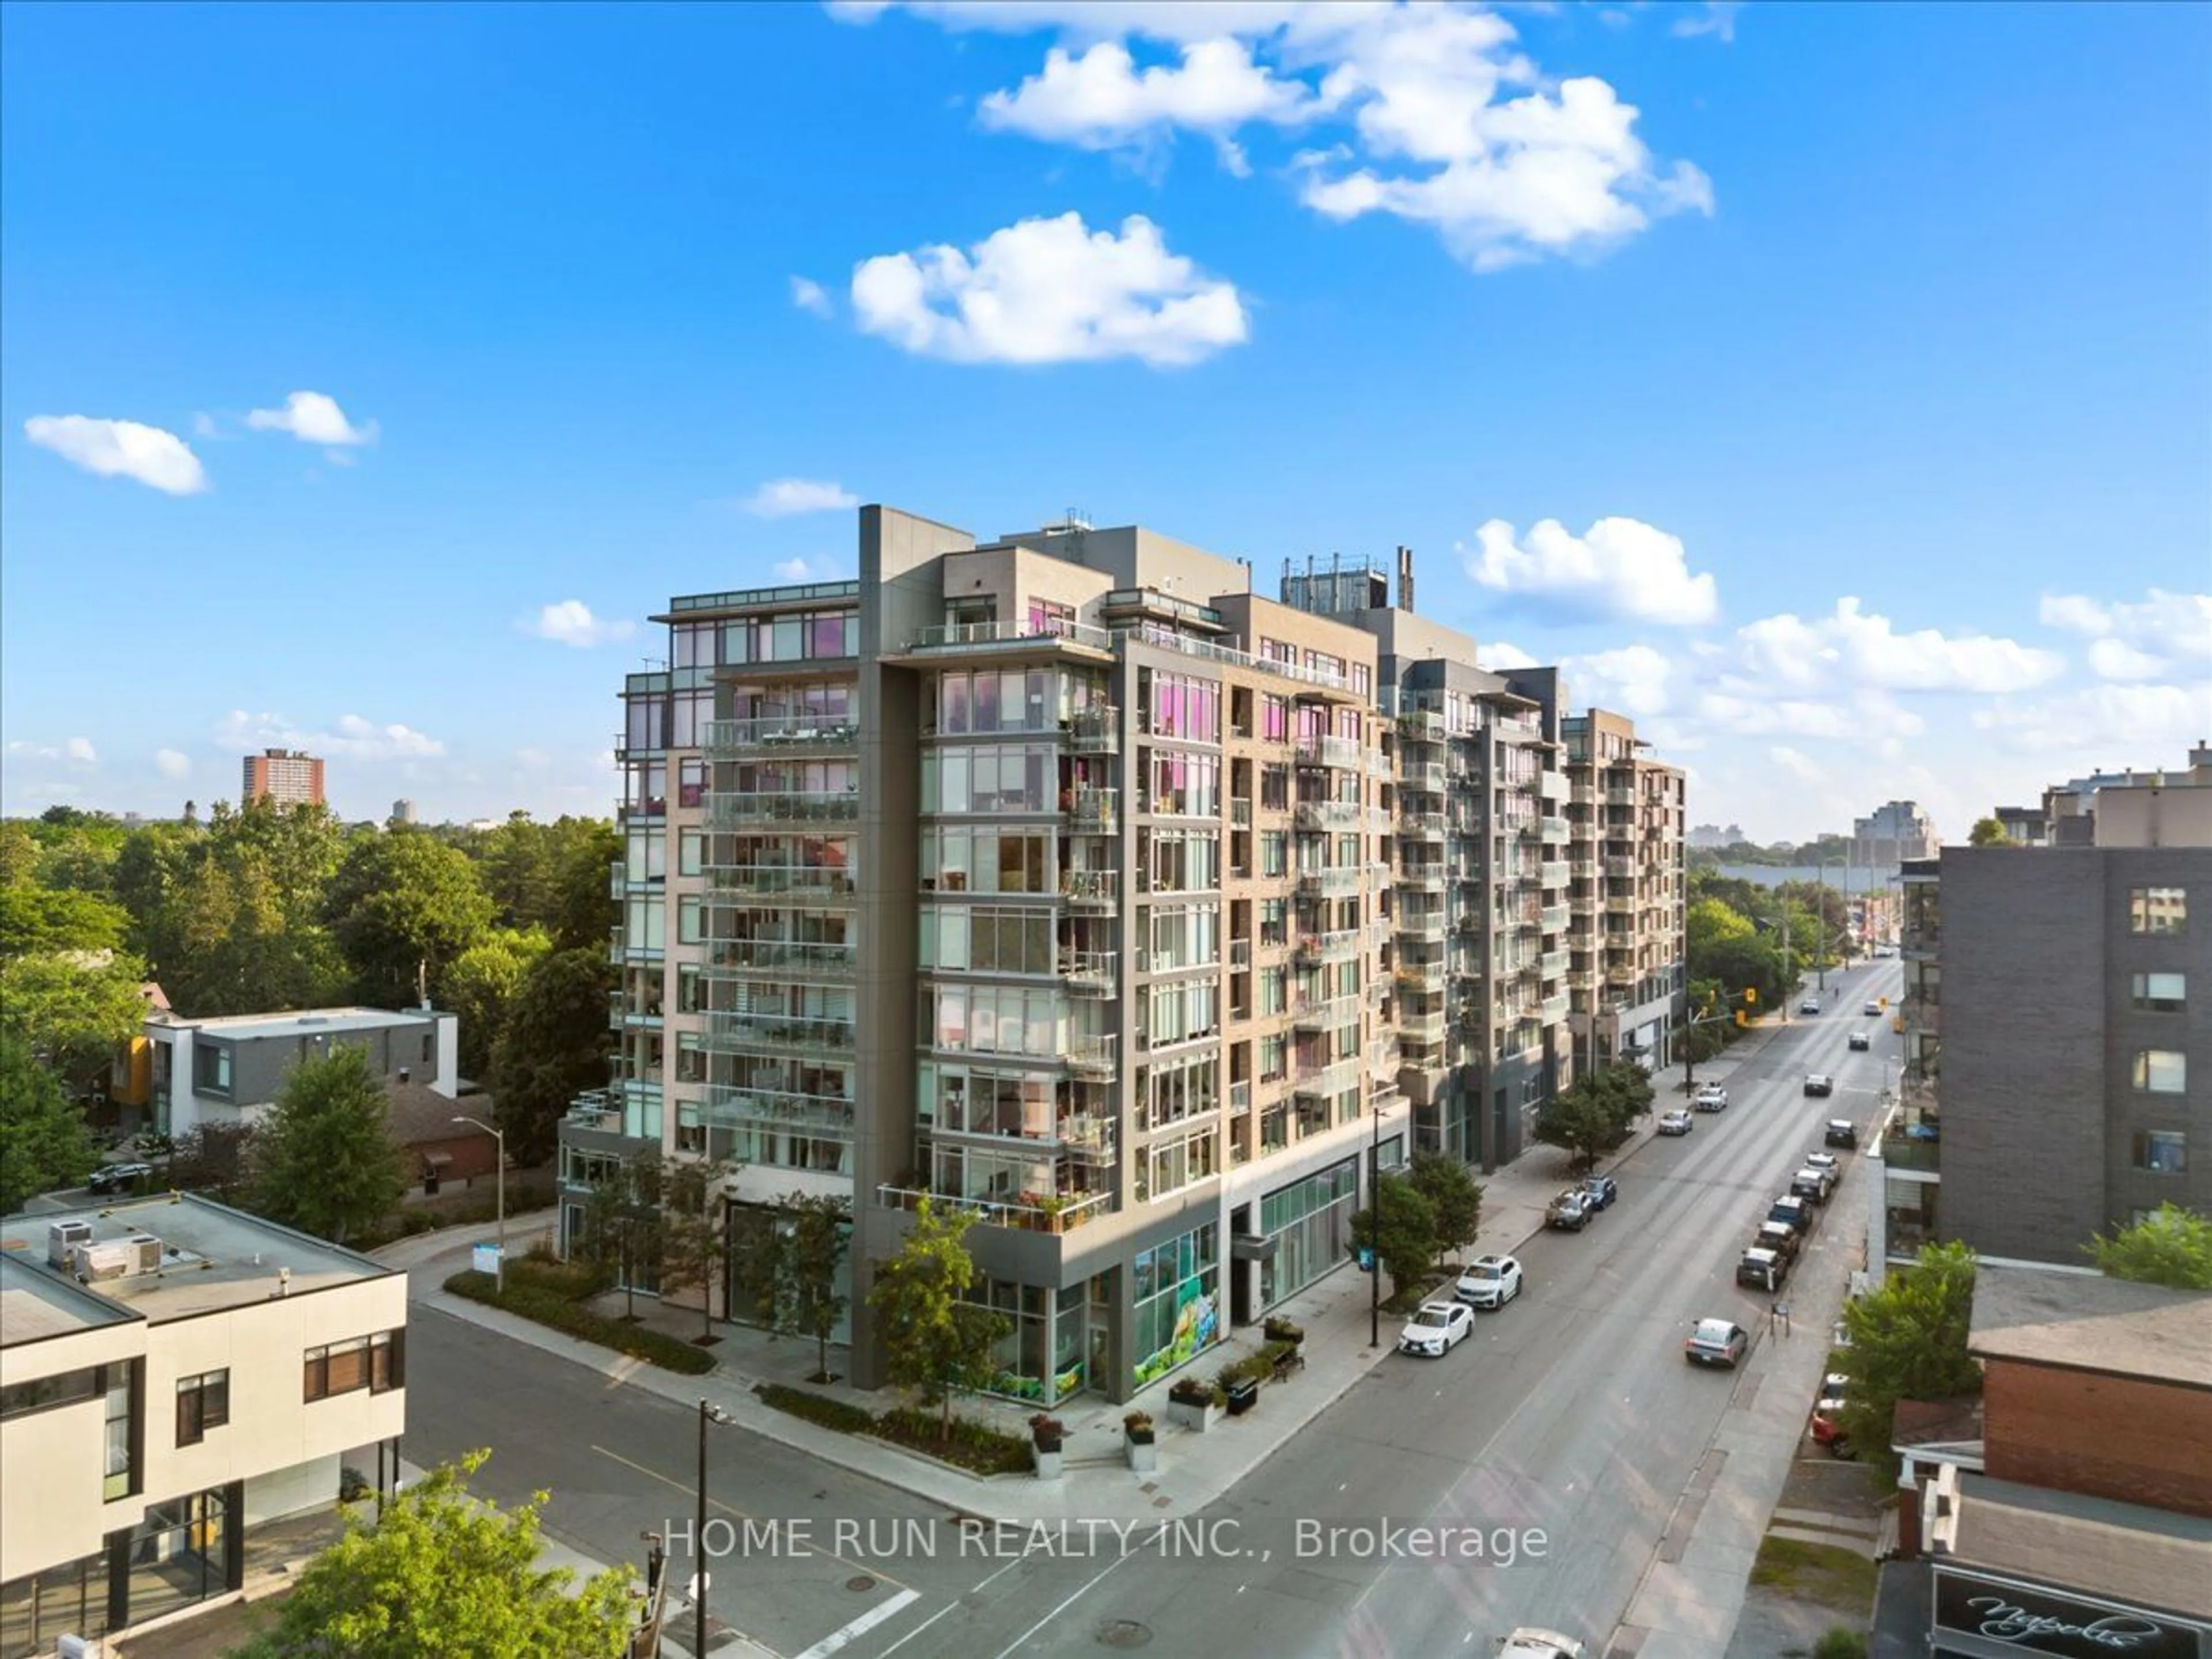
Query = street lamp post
x=499 y=1276
x=1820 y=937
x=708 y=1414
x=1375 y=1232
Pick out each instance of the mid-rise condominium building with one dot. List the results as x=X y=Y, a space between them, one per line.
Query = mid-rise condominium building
x=2057 y=1024
x=1894 y=832
x=289 y=777
x=1066 y=879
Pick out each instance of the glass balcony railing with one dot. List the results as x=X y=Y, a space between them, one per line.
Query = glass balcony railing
x=1039 y=1213
x=797 y=883
x=727 y=1107
x=1092 y=973
x=1093 y=1057
x=781 y=959
x=1091 y=889
x=1328 y=752
x=728 y=809
x=967 y=636
x=1095 y=731
x=1327 y=814
x=1089 y=807
x=1332 y=883
x=778 y=1032
x=1341 y=946
x=783 y=734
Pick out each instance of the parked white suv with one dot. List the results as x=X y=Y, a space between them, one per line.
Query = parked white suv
x=1710 y=1098
x=1530 y=1642
x=1490 y=1281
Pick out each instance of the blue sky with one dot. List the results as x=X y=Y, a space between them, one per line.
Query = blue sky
x=1831 y=387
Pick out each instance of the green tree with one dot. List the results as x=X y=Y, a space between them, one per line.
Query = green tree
x=1989 y=832
x=695 y=1238
x=481 y=983
x=1709 y=921
x=1591 y=1115
x=585 y=908
x=791 y=1262
x=1408 y=1242
x=44 y=1143
x=36 y=921
x=72 y=1015
x=1453 y=1194
x=934 y=1339
x=553 y=1046
x=218 y=1160
x=2171 y=1246
x=445 y=1572
x=402 y=906
x=327 y=1163
x=236 y=919
x=1908 y=1341
x=19 y=854
x=624 y=1225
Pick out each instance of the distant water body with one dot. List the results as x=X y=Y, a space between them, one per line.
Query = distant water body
x=1858 y=878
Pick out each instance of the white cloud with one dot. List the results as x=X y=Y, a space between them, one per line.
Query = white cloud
x=313 y=417
x=350 y=736
x=173 y=763
x=121 y=449
x=780 y=498
x=33 y=751
x=2135 y=641
x=809 y=296
x=570 y=622
x=1619 y=568
x=1797 y=764
x=1499 y=657
x=535 y=760
x=1743 y=708
x=79 y=751
x=1857 y=647
x=1050 y=291
x=1458 y=128
x=1717 y=19
x=1102 y=101
x=794 y=570
x=2116 y=659
x=203 y=426
x=1634 y=680
x=2105 y=727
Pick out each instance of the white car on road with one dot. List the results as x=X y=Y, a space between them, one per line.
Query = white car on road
x=1490 y=1281
x=1530 y=1642
x=1437 y=1328
x=1710 y=1098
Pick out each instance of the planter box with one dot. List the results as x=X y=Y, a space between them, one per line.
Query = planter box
x=1144 y=1455
x=1047 y=1463
x=1197 y=1418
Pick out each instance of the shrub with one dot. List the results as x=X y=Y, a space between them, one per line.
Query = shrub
x=1283 y=1330
x=1139 y=1426
x=1048 y=1432
x=557 y=1312
x=1194 y=1391
x=973 y=1445
x=839 y=1414
x=1841 y=1643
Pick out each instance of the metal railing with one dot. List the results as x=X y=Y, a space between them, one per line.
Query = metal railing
x=1327 y=814
x=1090 y=888
x=1090 y=806
x=1341 y=946
x=794 y=882
x=779 y=1031
x=1328 y=752
x=954 y=636
x=1093 y=1056
x=1095 y=731
x=728 y=1106
x=726 y=809
x=792 y=958
x=1049 y=1215
x=1098 y=972
x=782 y=734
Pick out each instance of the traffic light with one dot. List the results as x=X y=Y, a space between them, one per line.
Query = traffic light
x=1885 y=1002
x=1750 y=993
x=1741 y=1017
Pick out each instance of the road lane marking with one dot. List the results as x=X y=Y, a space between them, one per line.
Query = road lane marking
x=746 y=1515
x=1005 y=1652
x=920 y=1627
x=836 y=1639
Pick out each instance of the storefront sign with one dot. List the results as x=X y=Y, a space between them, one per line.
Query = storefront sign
x=2033 y=1619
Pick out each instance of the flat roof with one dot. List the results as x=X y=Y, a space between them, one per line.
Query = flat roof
x=307 y=1022
x=2129 y=1552
x=2087 y=1322
x=34 y=1304
x=213 y=1257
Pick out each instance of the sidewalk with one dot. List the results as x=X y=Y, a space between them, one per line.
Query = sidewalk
x=1194 y=1469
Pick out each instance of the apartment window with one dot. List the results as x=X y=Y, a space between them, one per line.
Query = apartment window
x=2161 y=993
x=203 y=1403
x=375 y=1362
x=120 y=1464
x=691 y=782
x=43 y=1394
x=690 y=920
x=690 y=852
x=2154 y=910
x=430 y=1048
x=211 y=1067
x=2161 y=1071
x=2162 y=1152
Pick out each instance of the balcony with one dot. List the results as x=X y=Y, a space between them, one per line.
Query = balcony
x=1553 y=831
x=1620 y=795
x=623 y=1012
x=621 y=951
x=1620 y=869
x=1240 y=811
x=1325 y=1013
x=1556 y=918
x=1422 y=826
x=1240 y=1097
x=1421 y=726
x=1339 y=882
x=1424 y=977
x=1013 y=637
x=783 y=959
x=1341 y=945
x=729 y=1108
x=796 y=736
x=759 y=1033
x=1089 y=807
x=1095 y=1057
x=1091 y=890
x=1326 y=1083
x=1425 y=924
x=1422 y=1077
x=1554 y=873
x=1327 y=814
x=1623 y=975
x=1426 y=1027
x=1092 y=973
x=1041 y=1214
x=1425 y=775
x=1329 y=751
x=1898 y=1151
x=1424 y=877
x=1093 y=731
x=792 y=884
x=729 y=811
x=1620 y=904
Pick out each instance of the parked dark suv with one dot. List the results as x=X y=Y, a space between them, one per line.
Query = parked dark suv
x=1599 y=1191
x=1842 y=1133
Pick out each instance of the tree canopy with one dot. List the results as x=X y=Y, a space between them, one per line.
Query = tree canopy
x=325 y=1161
x=480 y=986
x=1453 y=1195
x=71 y=1014
x=402 y=906
x=1908 y=1341
x=1408 y=1242
x=934 y=1339
x=2171 y=1246
x=1595 y=1113
x=44 y=1143
x=444 y=1572
x=39 y=921
x=553 y=1046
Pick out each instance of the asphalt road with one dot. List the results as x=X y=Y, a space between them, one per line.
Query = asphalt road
x=1559 y=1442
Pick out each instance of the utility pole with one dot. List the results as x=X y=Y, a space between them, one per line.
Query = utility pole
x=1820 y=944
x=1375 y=1234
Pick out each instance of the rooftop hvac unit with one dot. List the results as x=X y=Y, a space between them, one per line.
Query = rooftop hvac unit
x=64 y=1236
x=147 y=1250
x=93 y=1263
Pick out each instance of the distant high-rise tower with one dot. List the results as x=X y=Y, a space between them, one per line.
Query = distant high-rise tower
x=403 y=811
x=289 y=777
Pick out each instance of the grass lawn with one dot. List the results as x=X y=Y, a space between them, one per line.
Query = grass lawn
x=1832 y=1576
